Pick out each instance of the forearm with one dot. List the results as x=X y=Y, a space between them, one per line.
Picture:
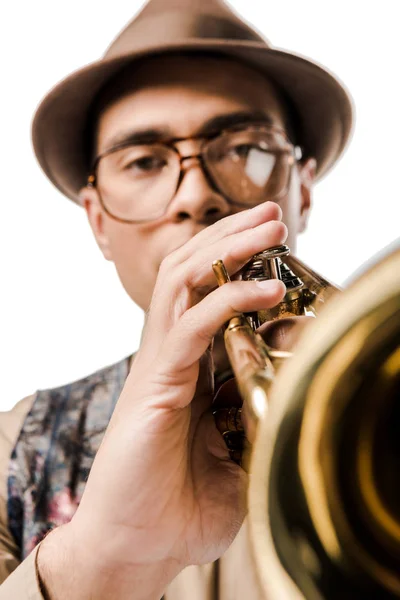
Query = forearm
x=67 y=570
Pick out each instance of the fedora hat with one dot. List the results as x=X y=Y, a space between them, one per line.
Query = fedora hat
x=323 y=107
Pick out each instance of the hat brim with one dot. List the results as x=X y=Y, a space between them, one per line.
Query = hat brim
x=323 y=106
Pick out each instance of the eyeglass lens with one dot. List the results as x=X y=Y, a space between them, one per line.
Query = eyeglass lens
x=248 y=167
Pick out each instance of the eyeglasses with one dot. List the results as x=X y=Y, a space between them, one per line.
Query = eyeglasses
x=246 y=165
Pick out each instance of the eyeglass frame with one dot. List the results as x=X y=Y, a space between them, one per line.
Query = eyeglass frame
x=296 y=155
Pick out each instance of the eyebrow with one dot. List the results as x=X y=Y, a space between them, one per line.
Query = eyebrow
x=226 y=121
x=152 y=135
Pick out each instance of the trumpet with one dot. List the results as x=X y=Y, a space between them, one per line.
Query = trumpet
x=324 y=433
x=254 y=363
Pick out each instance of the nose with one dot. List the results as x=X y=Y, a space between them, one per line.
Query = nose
x=196 y=197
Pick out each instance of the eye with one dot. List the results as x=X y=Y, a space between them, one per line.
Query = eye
x=239 y=151
x=146 y=164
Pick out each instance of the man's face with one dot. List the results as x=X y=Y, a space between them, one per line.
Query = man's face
x=181 y=97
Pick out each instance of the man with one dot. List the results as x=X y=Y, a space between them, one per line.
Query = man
x=191 y=140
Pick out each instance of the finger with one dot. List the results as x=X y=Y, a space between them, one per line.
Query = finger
x=187 y=284
x=235 y=251
x=246 y=219
x=190 y=337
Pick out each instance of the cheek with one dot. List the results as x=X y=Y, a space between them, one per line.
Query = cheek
x=129 y=250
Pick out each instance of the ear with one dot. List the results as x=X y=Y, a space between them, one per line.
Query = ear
x=307 y=172
x=89 y=199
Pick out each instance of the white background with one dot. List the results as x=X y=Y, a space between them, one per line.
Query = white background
x=63 y=311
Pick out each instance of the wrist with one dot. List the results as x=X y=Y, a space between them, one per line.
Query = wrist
x=68 y=569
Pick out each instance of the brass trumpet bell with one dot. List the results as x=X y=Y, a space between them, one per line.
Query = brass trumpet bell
x=324 y=498
x=324 y=430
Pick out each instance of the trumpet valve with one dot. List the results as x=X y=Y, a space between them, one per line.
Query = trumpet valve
x=269 y=265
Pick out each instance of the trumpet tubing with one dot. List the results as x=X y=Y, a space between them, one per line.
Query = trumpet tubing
x=324 y=457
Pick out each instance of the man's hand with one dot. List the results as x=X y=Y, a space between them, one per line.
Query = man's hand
x=162 y=493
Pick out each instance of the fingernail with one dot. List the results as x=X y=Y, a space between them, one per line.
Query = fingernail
x=270 y=284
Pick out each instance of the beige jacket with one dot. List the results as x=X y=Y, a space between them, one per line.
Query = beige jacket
x=234 y=579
